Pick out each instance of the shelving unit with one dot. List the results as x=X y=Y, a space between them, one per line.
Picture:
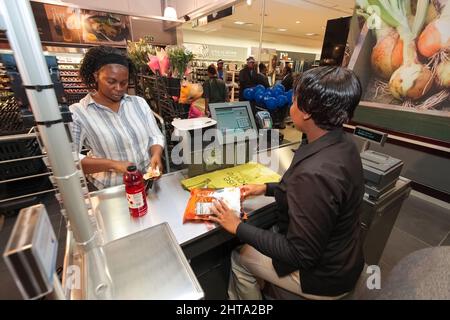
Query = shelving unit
x=232 y=82
x=5 y=84
x=200 y=74
x=74 y=88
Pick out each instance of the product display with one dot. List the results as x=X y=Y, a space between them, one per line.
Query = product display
x=74 y=88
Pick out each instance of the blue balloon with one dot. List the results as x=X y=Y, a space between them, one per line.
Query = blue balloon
x=259 y=91
x=270 y=92
x=282 y=101
x=270 y=102
x=249 y=94
x=259 y=97
x=277 y=91
x=259 y=87
x=279 y=85
x=289 y=95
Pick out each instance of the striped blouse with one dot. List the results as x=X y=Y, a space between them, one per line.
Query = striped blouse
x=124 y=136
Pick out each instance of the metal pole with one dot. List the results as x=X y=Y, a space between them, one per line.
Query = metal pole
x=24 y=39
x=263 y=12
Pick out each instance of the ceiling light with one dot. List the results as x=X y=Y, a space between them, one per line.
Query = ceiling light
x=239 y=22
x=297 y=22
x=310 y=34
x=249 y=2
x=282 y=29
x=170 y=13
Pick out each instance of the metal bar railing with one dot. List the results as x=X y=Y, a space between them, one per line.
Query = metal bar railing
x=27 y=195
x=166 y=150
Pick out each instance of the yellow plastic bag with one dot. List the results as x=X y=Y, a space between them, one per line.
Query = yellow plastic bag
x=233 y=177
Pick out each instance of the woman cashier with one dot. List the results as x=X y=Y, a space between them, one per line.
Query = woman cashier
x=317 y=252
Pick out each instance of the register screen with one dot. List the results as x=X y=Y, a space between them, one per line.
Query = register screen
x=233 y=119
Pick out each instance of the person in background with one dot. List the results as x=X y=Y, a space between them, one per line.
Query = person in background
x=220 y=73
x=117 y=128
x=272 y=75
x=288 y=79
x=316 y=252
x=247 y=77
x=214 y=89
x=262 y=75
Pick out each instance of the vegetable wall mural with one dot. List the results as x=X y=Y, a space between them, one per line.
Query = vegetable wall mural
x=403 y=59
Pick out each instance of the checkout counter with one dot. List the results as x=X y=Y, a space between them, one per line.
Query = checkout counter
x=206 y=246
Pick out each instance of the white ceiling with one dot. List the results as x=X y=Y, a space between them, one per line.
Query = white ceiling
x=279 y=14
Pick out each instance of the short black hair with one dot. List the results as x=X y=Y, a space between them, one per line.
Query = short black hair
x=90 y=63
x=329 y=94
x=212 y=69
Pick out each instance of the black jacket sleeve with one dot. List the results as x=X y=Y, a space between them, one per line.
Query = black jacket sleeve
x=270 y=189
x=312 y=215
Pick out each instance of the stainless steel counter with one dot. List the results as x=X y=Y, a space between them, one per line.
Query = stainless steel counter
x=166 y=203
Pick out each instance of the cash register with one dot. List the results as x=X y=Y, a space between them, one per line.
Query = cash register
x=381 y=171
x=236 y=121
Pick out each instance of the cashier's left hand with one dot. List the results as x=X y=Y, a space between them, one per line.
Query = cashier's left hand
x=224 y=216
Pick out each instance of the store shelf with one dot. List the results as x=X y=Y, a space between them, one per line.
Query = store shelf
x=75 y=87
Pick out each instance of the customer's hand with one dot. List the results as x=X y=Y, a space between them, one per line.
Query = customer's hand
x=120 y=166
x=156 y=165
x=253 y=190
x=224 y=216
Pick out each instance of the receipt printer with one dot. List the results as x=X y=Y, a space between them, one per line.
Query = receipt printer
x=380 y=172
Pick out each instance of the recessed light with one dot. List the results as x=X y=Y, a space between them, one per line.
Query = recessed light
x=239 y=22
x=310 y=34
x=297 y=22
x=282 y=29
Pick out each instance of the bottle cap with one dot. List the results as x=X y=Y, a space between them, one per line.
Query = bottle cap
x=131 y=168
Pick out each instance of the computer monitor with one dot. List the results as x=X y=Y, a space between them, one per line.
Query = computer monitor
x=234 y=120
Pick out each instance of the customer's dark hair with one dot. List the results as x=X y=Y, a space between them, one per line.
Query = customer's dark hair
x=262 y=67
x=97 y=57
x=329 y=94
x=212 y=69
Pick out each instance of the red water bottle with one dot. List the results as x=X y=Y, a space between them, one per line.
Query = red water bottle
x=135 y=190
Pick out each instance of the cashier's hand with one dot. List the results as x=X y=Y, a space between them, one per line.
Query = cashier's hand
x=224 y=216
x=253 y=190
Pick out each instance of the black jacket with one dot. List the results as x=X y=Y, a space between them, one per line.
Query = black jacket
x=318 y=201
x=288 y=81
x=215 y=90
x=247 y=80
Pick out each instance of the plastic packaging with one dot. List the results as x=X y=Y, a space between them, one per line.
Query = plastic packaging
x=201 y=200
